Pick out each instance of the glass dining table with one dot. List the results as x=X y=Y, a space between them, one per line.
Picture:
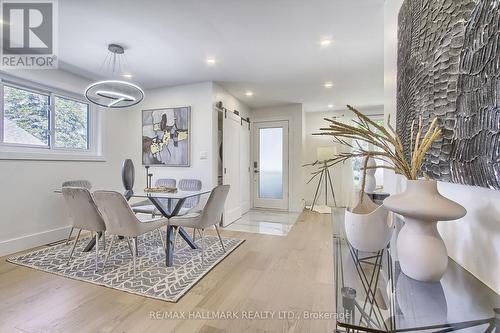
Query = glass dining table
x=169 y=204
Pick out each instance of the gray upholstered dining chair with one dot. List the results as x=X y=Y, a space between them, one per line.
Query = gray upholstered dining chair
x=120 y=220
x=192 y=202
x=76 y=183
x=146 y=207
x=210 y=216
x=84 y=216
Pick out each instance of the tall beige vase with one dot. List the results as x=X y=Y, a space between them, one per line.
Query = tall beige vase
x=421 y=251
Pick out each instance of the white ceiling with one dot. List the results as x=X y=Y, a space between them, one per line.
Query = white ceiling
x=270 y=47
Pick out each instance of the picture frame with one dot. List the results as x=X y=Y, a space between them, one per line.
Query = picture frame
x=166 y=136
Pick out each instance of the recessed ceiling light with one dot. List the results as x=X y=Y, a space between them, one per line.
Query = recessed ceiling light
x=328 y=84
x=325 y=42
x=249 y=93
x=330 y=106
x=127 y=76
x=210 y=61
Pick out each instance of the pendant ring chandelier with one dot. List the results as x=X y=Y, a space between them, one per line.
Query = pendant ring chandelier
x=114 y=93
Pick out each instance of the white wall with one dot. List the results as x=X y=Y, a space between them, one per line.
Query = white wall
x=294 y=114
x=391 y=10
x=199 y=97
x=341 y=173
x=473 y=241
x=30 y=213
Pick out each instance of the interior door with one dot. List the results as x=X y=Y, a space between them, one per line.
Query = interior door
x=231 y=166
x=270 y=165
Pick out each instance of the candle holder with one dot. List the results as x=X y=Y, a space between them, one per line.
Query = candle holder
x=147 y=176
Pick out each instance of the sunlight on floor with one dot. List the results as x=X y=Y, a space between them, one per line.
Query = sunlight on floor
x=265 y=222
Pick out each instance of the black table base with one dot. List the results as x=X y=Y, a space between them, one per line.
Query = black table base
x=169 y=247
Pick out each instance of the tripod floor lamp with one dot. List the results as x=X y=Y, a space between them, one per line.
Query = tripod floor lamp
x=325 y=179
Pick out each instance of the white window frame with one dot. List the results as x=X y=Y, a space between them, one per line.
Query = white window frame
x=15 y=151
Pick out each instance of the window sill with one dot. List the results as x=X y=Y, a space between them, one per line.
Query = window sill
x=43 y=154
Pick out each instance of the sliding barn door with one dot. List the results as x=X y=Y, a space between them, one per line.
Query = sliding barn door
x=231 y=166
x=245 y=167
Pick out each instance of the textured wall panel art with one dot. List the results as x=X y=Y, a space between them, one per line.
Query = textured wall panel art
x=449 y=67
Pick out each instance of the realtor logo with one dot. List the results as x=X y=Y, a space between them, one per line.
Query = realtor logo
x=29 y=34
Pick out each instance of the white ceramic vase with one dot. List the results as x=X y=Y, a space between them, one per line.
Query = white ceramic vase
x=421 y=250
x=367 y=226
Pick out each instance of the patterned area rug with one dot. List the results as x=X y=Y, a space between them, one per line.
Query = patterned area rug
x=153 y=278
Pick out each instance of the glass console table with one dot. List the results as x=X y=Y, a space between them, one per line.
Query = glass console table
x=373 y=295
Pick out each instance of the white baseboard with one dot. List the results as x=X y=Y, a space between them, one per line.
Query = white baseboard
x=13 y=245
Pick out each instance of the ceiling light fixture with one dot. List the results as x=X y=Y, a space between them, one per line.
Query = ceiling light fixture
x=325 y=42
x=328 y=84
x=249 y=93
x=330 y=106
x=210 y=61
x=114 y=93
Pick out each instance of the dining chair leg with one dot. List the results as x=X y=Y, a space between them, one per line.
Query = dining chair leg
x=202 y=246
x=109 y=250
x=177 y=234
x=161 y=238
x=194 y=234
x=129 y=246
x=69 y=236
x=104 y=240
x=96 y=251
x=155 y=238
x=74 y=245
x=136 y=247
x=220 y=238
x=134 y=255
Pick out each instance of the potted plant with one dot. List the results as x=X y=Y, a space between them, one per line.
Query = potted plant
x=421 y=250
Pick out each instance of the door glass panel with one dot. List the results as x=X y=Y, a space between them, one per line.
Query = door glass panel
x=271 y=163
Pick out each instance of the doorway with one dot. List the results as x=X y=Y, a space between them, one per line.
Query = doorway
x=270 y=165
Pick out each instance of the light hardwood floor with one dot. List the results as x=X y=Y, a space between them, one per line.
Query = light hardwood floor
x=266 y=273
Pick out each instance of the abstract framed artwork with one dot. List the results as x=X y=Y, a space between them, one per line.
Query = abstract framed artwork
x=166 y=136
x=448 y=67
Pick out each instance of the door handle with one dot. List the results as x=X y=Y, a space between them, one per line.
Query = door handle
x=256 y=171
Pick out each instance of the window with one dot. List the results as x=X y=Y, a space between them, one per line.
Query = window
x=26 y=117
x=71 y=124
x=39 y=122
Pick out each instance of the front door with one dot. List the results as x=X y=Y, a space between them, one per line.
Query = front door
x=270 y=165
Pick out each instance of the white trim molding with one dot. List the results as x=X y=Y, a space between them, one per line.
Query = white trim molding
x=22 y=243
